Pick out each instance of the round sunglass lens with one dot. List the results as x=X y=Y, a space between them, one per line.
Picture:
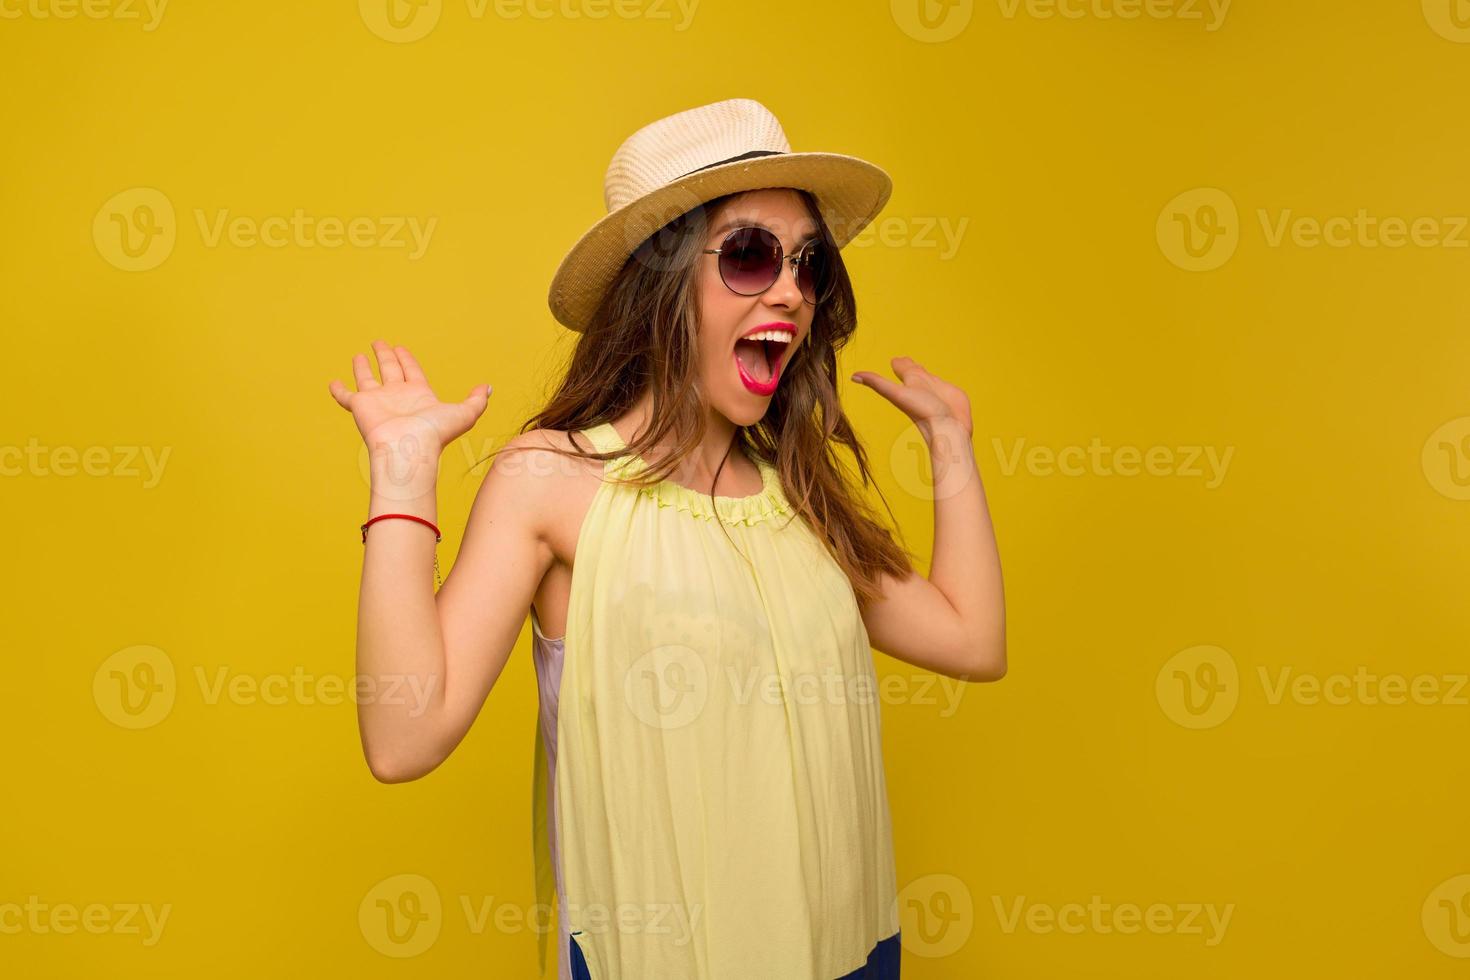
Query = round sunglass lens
x=750 y=260
x=812 y=276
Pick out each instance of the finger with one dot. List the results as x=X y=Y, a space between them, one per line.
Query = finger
x=362 y=373
x=411 y=369
x=478 y=398
x=915 y=374
x=905 y=366
x=388 y=365
x=339 y=391
x=883 y=386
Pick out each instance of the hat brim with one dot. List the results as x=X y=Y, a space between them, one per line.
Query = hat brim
x=850 y=192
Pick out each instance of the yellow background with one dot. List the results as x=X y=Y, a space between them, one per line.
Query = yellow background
x=1073 y=151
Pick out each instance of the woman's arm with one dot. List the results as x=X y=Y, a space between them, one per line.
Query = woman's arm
x=433 y=660
x=426 y=663
x=953 y=622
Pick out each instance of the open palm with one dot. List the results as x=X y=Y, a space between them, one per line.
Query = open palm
x=403 y=403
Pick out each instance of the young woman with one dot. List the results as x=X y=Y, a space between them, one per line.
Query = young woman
x=705 y=584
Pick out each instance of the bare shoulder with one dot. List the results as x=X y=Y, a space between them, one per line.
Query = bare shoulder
x=534 y=473
x=544 y=452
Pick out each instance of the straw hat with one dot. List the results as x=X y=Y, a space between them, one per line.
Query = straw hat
x=681 y=161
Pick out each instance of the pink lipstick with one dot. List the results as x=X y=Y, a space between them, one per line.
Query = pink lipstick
x=765 y=356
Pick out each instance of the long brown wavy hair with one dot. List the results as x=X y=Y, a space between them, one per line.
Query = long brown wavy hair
x=646 y=332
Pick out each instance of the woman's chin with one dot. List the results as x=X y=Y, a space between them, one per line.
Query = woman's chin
x=741 y=407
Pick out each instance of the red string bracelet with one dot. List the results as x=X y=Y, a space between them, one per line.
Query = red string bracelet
x=411 y=517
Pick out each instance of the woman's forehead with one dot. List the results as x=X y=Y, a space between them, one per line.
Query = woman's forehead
x=779 y=209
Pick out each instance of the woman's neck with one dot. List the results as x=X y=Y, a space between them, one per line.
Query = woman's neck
x=698 y=468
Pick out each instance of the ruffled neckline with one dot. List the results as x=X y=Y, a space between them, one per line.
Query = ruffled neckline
x=769 y=503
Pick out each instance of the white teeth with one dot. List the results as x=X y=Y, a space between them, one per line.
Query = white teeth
x=780 y=335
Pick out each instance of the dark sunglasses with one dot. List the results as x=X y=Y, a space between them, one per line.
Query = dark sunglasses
x=750 y=263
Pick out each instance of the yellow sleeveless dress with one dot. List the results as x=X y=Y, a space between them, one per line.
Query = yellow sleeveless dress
x=718 y=795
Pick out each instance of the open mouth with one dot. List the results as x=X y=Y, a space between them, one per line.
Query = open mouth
x=759 y=358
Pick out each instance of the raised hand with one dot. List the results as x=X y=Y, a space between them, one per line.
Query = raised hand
x=402 y=405
x=925 y=398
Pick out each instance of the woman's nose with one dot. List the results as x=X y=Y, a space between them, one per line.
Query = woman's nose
x=785 y=290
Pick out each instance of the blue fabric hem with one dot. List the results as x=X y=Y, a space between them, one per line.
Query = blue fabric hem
x=579 y=962
x=882 y=962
